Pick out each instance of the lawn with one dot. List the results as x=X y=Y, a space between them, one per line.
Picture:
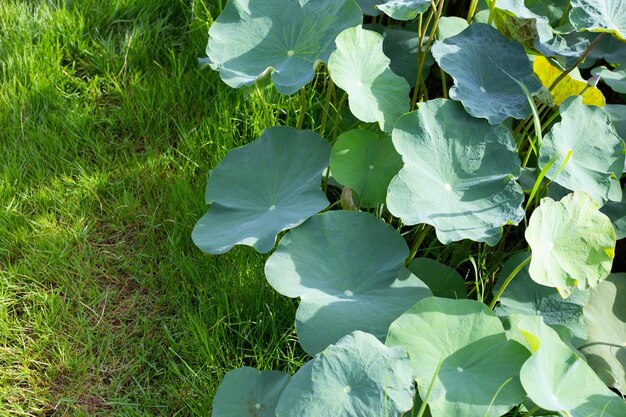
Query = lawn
x=108 y=128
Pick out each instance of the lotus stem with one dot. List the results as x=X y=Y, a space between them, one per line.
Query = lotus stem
x=472 y=10
x=302 y=109
x=422 y=59
x=330 y=88
x=508 y=280
x=419 y=238
x=564 y=15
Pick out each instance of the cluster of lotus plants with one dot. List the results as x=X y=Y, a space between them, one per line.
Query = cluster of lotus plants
x=449 y=222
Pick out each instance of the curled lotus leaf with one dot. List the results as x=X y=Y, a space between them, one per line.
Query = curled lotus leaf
x=486 y=67
x=558 y=379
x=360 y=67
x=616 y=78
x=605 y=315
x=572 y=242
x=578 y=163
x=479 y=366
x=599 y=16
x=287 y=38
x=524 y=296
x=404 y=9
x=248 y=392
x=263 y=188
x=347 y=268
x=357 y=376
x=365 y=162
x=446 y=180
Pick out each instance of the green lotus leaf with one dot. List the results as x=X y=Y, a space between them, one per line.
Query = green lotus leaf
x=358 y=376
x=617 y=114
x=552 y=9
x=450 y=26
x=348 y=270
x=247 y=392
x=479 y=367
x=558 y=379
x=287 y=38
x=401 y=47
x=365 y=162
x=485 y=66
x=605 y=315
x=578 y=163
x=263 y=188
x=573 y=243
x=616 y=79
x=616 y=212
x=525 y=296
x=369 y=7
x=359 y=66
x=458 y=174
x=599 y=16
x=404 y=9
x=518 y=22
x=442 y=280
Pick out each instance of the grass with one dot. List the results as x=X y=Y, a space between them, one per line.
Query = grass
x=107 y=130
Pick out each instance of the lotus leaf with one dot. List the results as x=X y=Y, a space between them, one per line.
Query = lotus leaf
x=572 y=243
x=263 y=188
x=485 y=66
x=605 y=315
x=580 y=164
x=450 y=26
x=524 y=296
x=616 y=211
x=369 y=7
x=348 y=270
x=617 y=114
x=358 y=376
x=401 y=47
x=552 y=9
x=247 y=392
x=558 y=379
x=479 y=367
x=359 y=66
x=459 y=174
x=442 y=280
x=404 y=9
x=288 y=38
x=599 y=16
x=567 y=87
x=616 y=79
x=365 y=162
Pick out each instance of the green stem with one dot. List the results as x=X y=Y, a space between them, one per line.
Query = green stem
x=330 y=87
x=472 y=10
x=302 y=109
x=508 y=280
x=444 y=83
x=422 y=409
x=564 y=15
x=338 y=116
x=419 y=238
x=492 y=7
x=431 y=39
x=580 y=60
x=532 y=411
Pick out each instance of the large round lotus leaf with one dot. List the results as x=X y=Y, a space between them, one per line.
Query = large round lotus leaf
x=485 y=66
x=247 y=392
x=348 y=269
x=401 y=47
x=458 y=174
x=568 y=86
x=599 y=16
x=365 y=162
x=404 y=9
x=263 y=188
x=616 y=79
x=359 y=376
x=591 y=165
x=525 y=296
x=442 y=280
x=573 y=243
x=288 y=38
x=605 y=315
x=557 y=379
x=479 y=374
x=359 y=66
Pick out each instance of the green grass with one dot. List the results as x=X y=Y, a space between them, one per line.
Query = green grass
x=107 y=131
